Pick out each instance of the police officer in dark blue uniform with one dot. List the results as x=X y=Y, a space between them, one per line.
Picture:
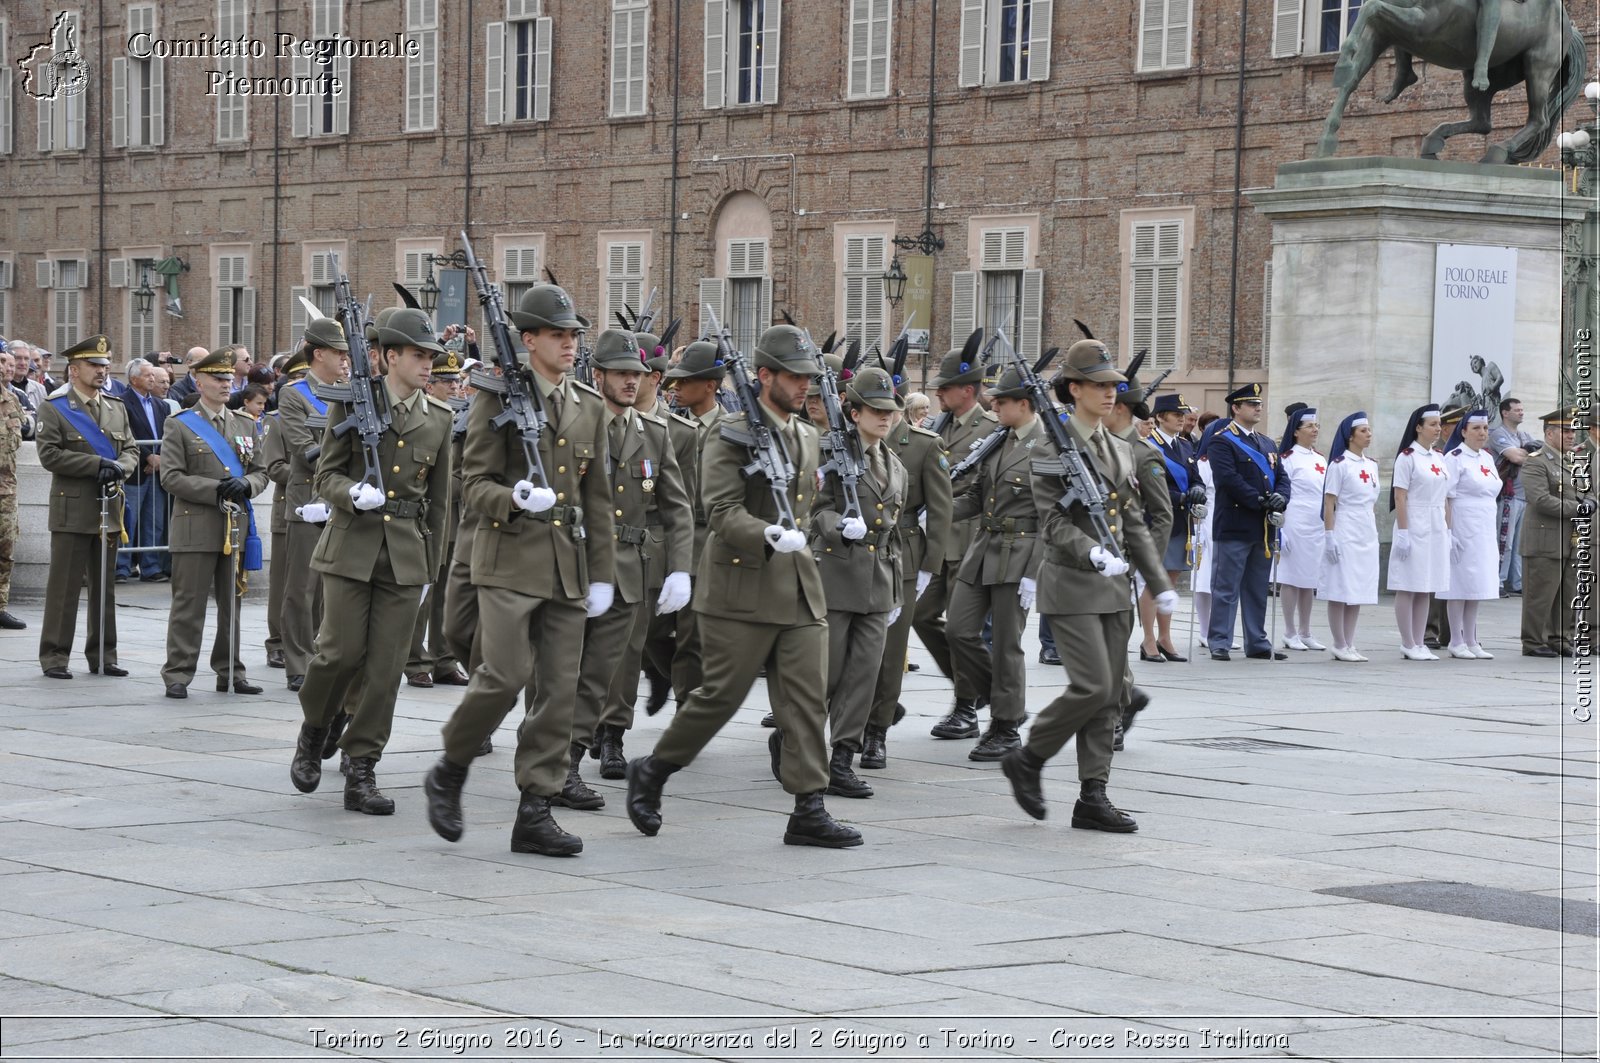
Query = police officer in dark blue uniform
x=1252 y=493
x=1184 y=488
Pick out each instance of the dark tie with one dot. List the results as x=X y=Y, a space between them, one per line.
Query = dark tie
x=880 y=471
x=616 y=439
x=397 y=416
x=554 y=403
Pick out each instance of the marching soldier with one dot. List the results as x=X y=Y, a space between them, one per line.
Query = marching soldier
x=1555 y=533
x=760 y=601
x=302 y=414
x=275 y=459
x=433 y=662
x=963 y=423
x=654 y=541
x=543 y=561
x=859 y=559
x=379 y=550
x=211 y=467
x=924 y=533
x=86 y=445
x=1252 y=494
x=1084 y=590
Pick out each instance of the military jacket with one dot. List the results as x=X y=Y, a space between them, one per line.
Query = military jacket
x=999 y=502
x=416 y=479
x=1241 y=484
x=1150 y=477
x=654 y=521
x=276 y=460
x=299 y=436
x=11 y=420
x=74 y=464
x=864 y=575
x=557 y=553
x=925 y=517
x=959 y=435
x=703 y=430
x=1069 y=583
x=1553 y=490
x=190 y=472
x=740 y=576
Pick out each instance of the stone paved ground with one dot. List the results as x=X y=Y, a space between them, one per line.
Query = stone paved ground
x=166 y=894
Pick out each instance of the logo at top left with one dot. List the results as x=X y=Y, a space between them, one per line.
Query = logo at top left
x=54 y=68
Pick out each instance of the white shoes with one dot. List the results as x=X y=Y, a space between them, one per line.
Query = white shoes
x=1347 y=655
x=1357 y=654
x=1417 y=653
x=1293 y=643
x=1463 y=652
x=1480 y=653
x=1311 y=643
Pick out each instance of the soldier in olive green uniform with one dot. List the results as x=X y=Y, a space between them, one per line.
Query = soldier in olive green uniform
x=859 y=558
x=302 y=417
x=1556 y=532
x=542 y=560
x=760 y=602
x=88 y=449
x=275 y=458
x=1085 y=591
x=380 y=548
x=963 y=423
x=431 y=660
x=11 y=422
x=924 y=533
x=999 y=575
x=654 y=536
x=203 y=536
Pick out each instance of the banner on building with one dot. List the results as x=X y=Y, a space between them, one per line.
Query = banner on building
x=1474 y=325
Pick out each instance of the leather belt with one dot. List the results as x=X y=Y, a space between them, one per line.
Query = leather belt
x=632 y=536
x=406 y=510
x=1011 y=525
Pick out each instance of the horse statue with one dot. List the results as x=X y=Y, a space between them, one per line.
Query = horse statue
x=1534 y=43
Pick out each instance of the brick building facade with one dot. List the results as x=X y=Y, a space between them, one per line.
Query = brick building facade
x=751 y=154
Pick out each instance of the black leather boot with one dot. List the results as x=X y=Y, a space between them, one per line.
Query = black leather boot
x=442 y=785
x=361 y=793
x=1022 y=768
x=960 y=722
x=775 y=753
x=1000 y=739
x=1117 y=737
x=842 y=779
x=646 y=777
x=1138 y=701
x=613 y=762
x=305 y=770
x=1094 y=811
x=812 y=825
x=660 y=690
x=575 y=793
x=536 y=831
x=487 y=747
x=875 y=747
x=330 y=745
x=769 y=720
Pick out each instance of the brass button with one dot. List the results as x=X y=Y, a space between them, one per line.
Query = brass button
x=561 y=442
x=619 y=489
x=829 y=550
x=397 y=468
x=557 y=523
x=400 y=443
x=1113 y=527
x=1111 y=513
x=561 y=496
x=497 y=524
x=561 y=468
x=387 y=518
x=1113 y=496
x=880 y=505
x=878 y=520
x=799 y=498
x=391 y=494
x=872 y=549
x=736 y=561
x=619 y=512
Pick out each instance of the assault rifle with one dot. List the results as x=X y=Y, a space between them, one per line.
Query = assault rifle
x=367 y=406
x=523 y=410
x=769 y=457
x=840 y=444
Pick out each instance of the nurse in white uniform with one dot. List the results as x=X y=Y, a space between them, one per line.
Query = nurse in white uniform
x=1200 y=576
x=1419 y=558
x=1300 y=548
x=1350 y=545
x=1474 y=533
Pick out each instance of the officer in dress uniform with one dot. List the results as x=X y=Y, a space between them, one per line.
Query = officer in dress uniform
x=1086 y=592
x=380 y=548
x=430 y=660
x=1185 y=494
x=761 y=602
x=1252 y=494
x=1557 y=529
x=275 y=457
x=88 y=449
x=211 y=467
x=654 y=541
x=963 y=423
x=543 y=557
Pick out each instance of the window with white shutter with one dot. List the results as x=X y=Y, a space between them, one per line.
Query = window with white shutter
x=743 y=45
x=144 y=334
x=1005 y=41
x=1266 y=315
x=233 y=108
x=422 y=69
x=1164 y=30
x=70 y=277
x=61 y=120
x=297 y=314
x=630 y=29
x=1332 y=22
x=6 y=90
x=323 y=276
x=414 y=268
x=521 y=267
x=1155 y=282
x=325 y=111
x=624 y=280
x=712 y=296
x=7 y=280
x=866 y=257
x=1285 y=28
x=963 y=305
x=235 y=303
x=748 y=291
x=1005 y=249
x=868 y=68
x=517 y=65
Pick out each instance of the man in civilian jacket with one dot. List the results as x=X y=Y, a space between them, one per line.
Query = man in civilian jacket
x=146 y=499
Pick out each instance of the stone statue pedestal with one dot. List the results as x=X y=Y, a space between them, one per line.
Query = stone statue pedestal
x=1353 y=249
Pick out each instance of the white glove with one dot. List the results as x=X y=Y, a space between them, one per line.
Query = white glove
x=784 y=541
x=313 y=512
x=365 y=496
x=1108 y=563
x=1330 y=552
x=923 y=579
x=531 y=499
x=1166 y=602
x=599 y=599
x=674 y=593
x=894 y=614
x=1027 y=592
x=1275 y=519
x=1198 y=512
x=1402 y=543
x=853 y=528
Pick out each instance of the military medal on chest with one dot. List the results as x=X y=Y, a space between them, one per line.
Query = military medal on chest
x=648 y=471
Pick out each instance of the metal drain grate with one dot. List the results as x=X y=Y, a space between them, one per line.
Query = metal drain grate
x=1249 y=745
x=1482 y=902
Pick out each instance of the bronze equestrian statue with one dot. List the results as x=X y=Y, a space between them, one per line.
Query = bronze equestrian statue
x=1531 y=41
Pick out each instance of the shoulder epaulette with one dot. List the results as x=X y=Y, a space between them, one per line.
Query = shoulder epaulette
x=445 y=406
x=1407 y=450
x=1455 y=452
x=581 y=386
x=918 y=430
x=1338 y=459
x=681 y=419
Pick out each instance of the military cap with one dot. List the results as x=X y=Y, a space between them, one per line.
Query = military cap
x=1248 y=393
x=954 y=370
x=700 y=361
x=619 y=350
x=656 y=357
x=835 y=364
x=1171 y=402
x=1090 y=360
x=298 y=362
x=1009 y=386
x=786 y=348
x=1452 y=414
x=547 y=306
x=446 y=366
x=873 y=387
x=1561 y=417
x=376 y=322
x=408 y=328
x=95 y=350
x=218 y=362
x=326 y=332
